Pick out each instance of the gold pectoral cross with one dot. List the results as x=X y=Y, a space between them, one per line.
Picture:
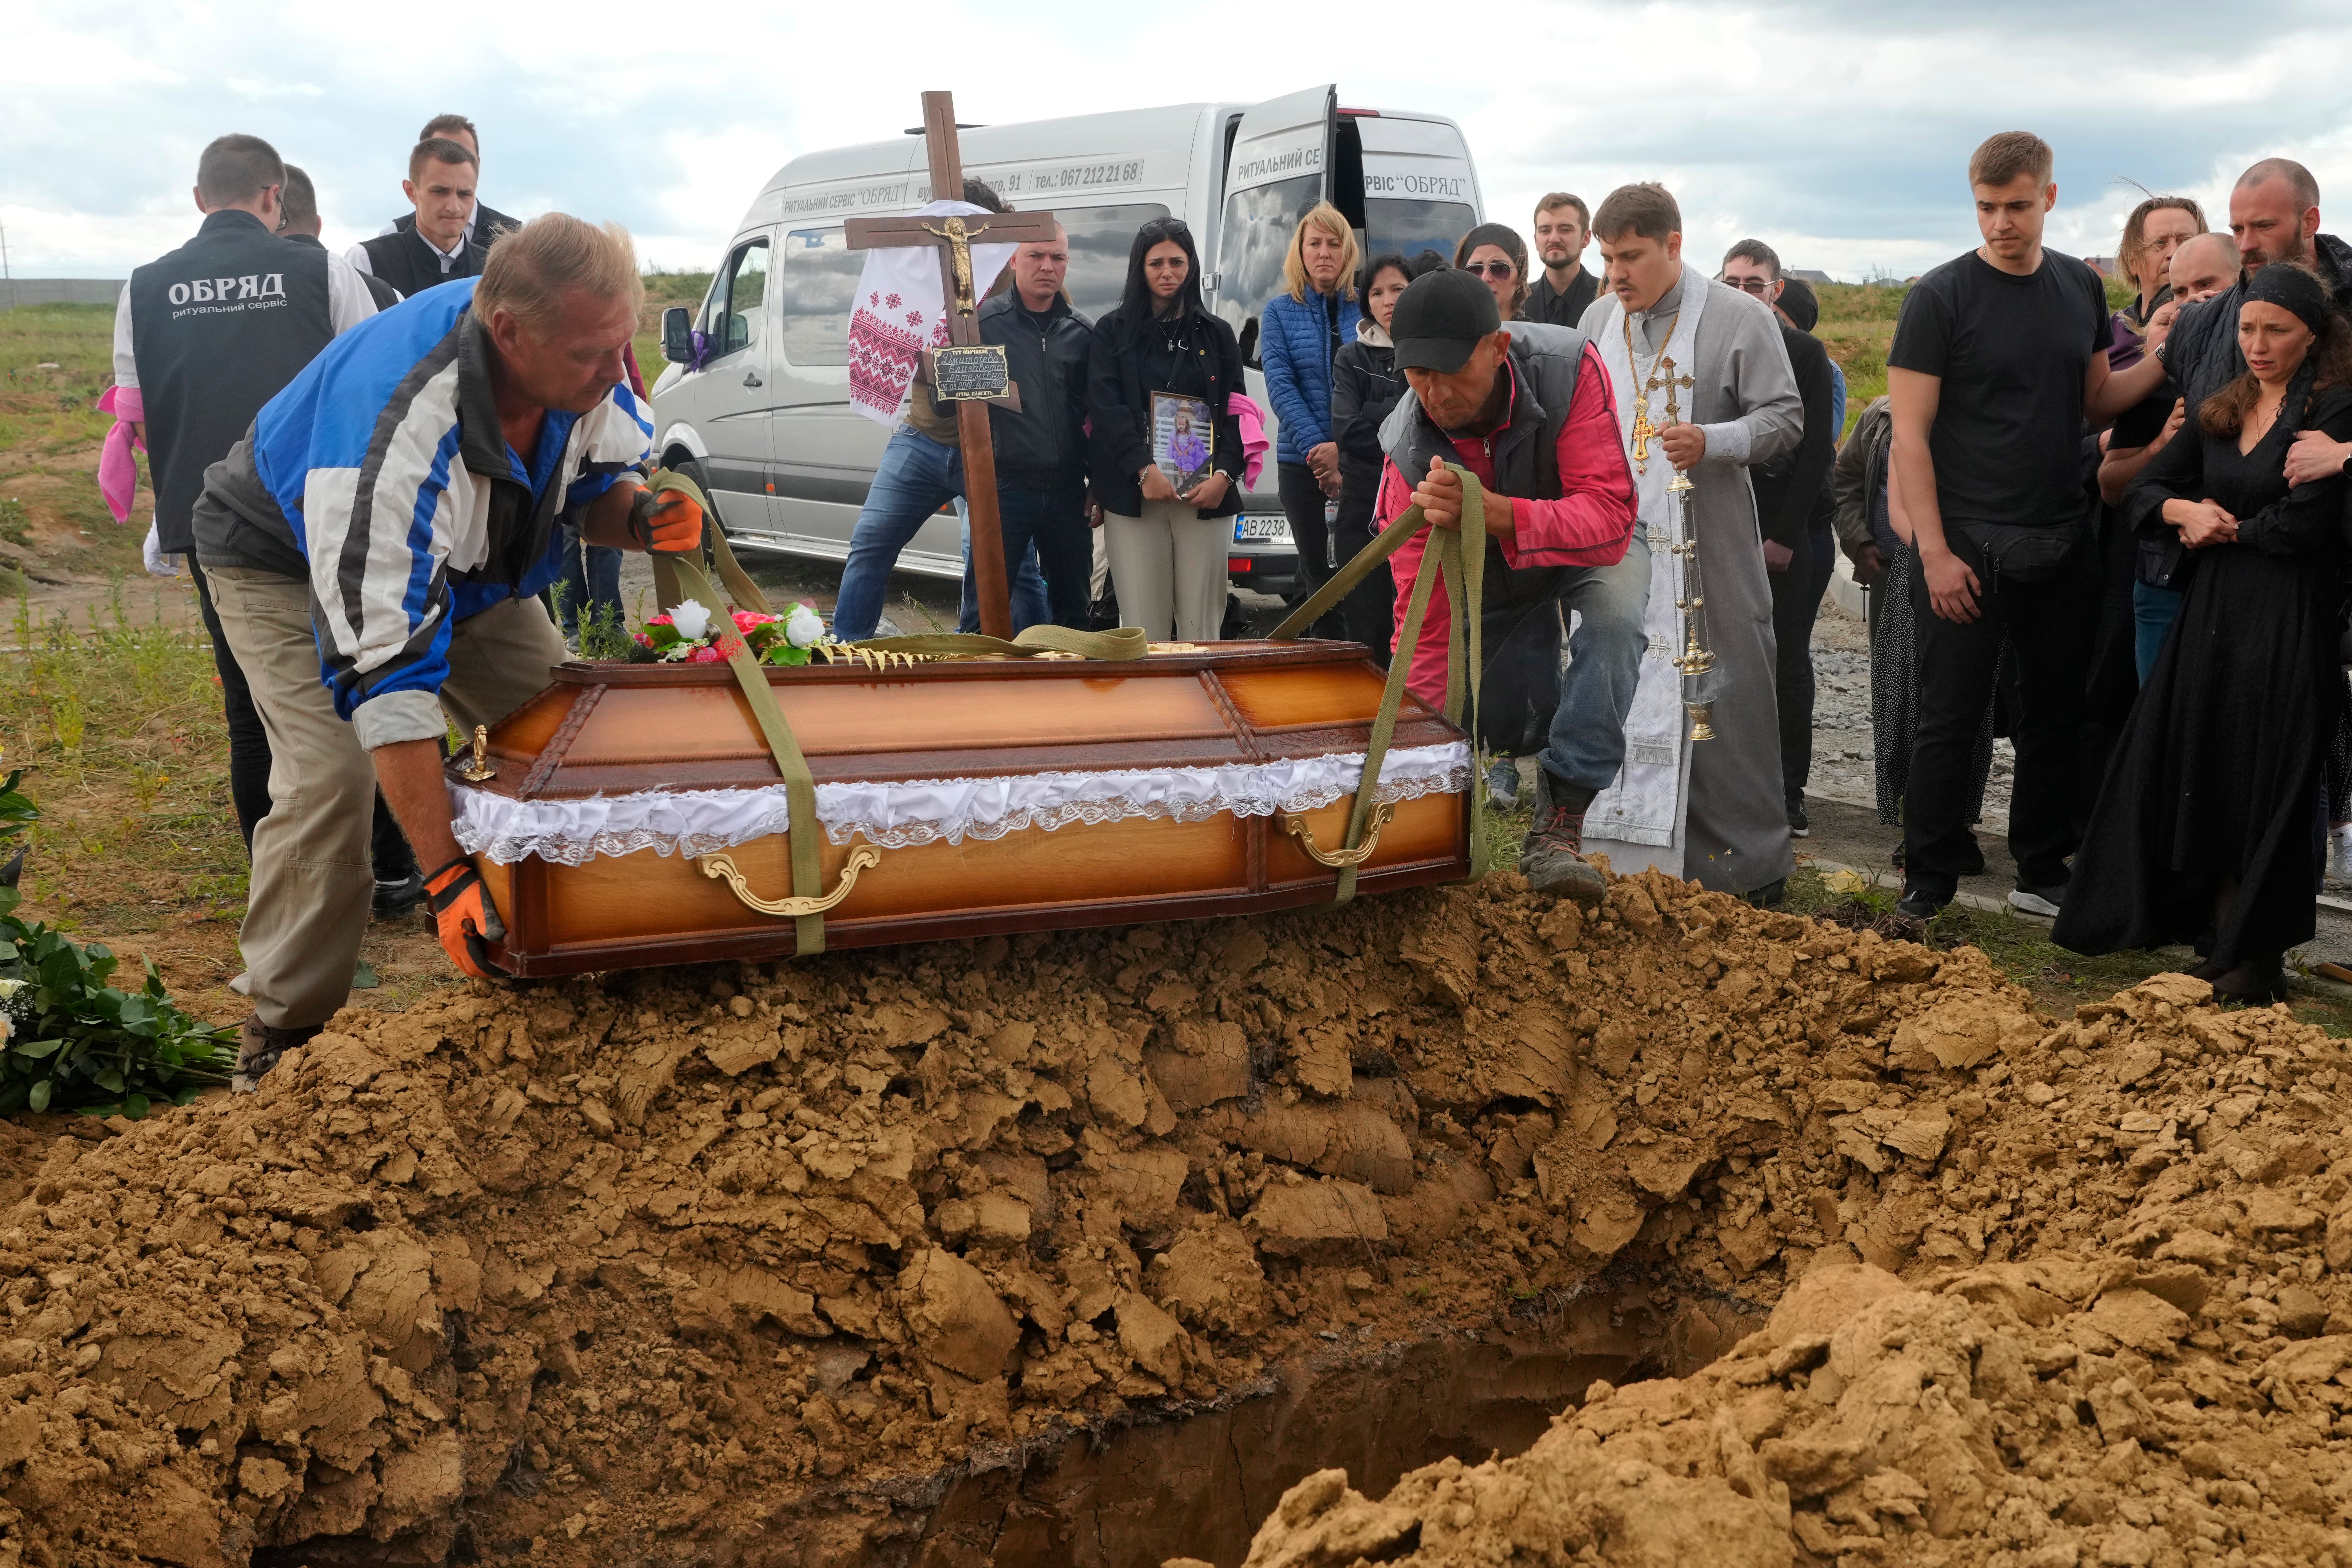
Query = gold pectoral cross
x=1642 y=431
x=959 y=240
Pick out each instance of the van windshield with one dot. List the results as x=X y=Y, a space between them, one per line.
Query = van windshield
x=1257 y=236
x=1410 y=227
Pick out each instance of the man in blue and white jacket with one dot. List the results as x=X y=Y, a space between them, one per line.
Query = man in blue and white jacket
x=377 y=543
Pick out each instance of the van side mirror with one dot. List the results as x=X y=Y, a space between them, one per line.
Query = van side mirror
x=678 y=335
x=1249 y=344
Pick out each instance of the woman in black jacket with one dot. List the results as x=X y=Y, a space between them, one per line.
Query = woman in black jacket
x=1365 y=388
x=1167 y=552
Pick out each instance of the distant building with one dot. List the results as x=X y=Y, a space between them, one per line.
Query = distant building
x=1810 y=275
x=2104 y=266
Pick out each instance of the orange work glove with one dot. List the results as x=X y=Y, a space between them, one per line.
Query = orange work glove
x=467 y=920
x=670 y=523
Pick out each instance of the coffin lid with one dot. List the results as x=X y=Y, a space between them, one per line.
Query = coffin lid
x=618 y=728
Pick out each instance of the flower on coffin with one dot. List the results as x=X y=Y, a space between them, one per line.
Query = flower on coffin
x=693 y=634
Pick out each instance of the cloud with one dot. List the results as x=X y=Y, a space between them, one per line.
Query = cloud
x=1837 y=129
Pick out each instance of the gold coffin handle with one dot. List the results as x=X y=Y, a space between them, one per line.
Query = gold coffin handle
x=1335 y=858
x=722 y=867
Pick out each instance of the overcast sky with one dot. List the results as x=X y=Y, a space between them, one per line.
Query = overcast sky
x=1839 y=130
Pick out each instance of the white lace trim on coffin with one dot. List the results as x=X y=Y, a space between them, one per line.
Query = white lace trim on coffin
x=924 y=811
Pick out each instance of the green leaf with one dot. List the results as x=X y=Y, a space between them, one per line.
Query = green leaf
x=135 y=1106
x=363 y=977
x=9 y=899
x=36 y=1049
x=110 y=1079
x=39 y=1100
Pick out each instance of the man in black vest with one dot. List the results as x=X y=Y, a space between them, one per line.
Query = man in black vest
x=433 y=249
x=1563 y=288
x=1524 y=408
x=486 y=221
x=202 y=337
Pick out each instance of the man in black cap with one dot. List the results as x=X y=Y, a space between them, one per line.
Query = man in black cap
x=1525 y=408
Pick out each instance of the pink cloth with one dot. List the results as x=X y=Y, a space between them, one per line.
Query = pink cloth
x=1254 y=445
x=117 y=471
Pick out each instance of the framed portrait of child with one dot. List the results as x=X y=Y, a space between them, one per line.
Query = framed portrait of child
x=1183 y=439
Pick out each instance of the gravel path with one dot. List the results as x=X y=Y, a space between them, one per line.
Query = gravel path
x=1842 y=736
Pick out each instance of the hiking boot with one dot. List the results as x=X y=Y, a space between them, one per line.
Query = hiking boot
x=1552 y=859
x=1800 y=824
x=259 y=1047
x=1771 y=896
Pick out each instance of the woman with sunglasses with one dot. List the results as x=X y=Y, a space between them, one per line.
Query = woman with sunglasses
x=1167 y=551
x=1496 y=252
x=1303 y=331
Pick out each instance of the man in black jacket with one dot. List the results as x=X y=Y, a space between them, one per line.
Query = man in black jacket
x=434 y=248
x=1563 y=288
x=486 y=223
x=1041 y=446
x=1788 y=492
x=203 y=337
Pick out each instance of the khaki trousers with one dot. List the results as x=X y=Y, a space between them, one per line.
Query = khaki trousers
x=307 y=905
x=1169 y=567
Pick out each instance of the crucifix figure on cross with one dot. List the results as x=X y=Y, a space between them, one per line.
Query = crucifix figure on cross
x=961 y=373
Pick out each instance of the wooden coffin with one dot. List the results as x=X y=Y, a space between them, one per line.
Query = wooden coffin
x=991 y=796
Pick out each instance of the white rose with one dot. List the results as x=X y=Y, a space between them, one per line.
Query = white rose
x=9 y=988
x=803 y=627
x=691 y=620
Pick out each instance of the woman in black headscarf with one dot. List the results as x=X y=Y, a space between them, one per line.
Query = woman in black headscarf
x=2210 y=818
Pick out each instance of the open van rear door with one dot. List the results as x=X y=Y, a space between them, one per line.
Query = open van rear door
x=1279 y=167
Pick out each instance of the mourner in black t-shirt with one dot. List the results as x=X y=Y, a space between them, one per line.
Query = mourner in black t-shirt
x=1998 y=359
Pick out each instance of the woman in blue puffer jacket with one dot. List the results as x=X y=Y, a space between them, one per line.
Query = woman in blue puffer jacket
x=1298 y=334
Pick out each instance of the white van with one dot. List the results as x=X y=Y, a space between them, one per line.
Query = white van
x=764 y=422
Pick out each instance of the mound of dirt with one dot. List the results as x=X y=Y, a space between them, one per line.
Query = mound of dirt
x=723 y=1261
x=2121 y=1338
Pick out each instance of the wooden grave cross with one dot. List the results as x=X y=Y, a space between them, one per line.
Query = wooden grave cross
x=951 y=237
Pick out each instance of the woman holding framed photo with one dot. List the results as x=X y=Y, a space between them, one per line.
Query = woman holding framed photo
x=1302 y=330
x=1166 y=455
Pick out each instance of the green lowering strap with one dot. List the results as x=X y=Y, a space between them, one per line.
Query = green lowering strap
x=799 y=785
x=737 y=581
x=1459 y=556
x=1125 y=642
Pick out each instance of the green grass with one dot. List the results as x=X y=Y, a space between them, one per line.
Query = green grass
x=119 y=721
x=662 y=290
x=1856 y=325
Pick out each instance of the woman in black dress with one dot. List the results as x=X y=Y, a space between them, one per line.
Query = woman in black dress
x=2210 y=818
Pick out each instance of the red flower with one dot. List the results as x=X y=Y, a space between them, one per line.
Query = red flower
x=747 y=619
x=643 y=640
x=706 y=655
x=660 y=620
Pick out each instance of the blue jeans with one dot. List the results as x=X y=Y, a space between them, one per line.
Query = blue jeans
x=916 y=477
x=2152 y=612
x=1586 y=747
x=1044 y=529
x=596 y=583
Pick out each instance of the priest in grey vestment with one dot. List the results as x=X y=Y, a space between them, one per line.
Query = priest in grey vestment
x=1710 y=811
